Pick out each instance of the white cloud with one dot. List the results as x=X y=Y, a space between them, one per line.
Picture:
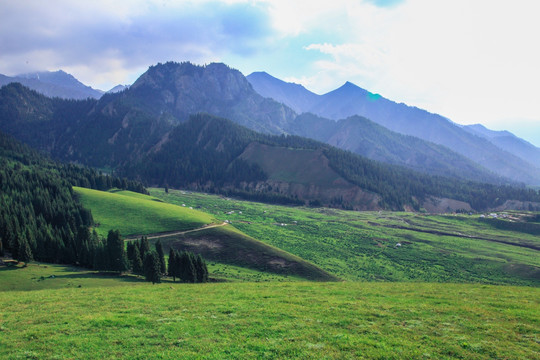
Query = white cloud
x=472 y=61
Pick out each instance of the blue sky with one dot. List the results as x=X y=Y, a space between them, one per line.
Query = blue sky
x=471 y=61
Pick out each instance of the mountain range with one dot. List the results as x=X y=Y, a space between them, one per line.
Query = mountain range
x=148 y=132
x=54 y=84
x=509 y=158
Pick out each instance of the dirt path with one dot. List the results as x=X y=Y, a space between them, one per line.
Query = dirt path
x=172 y=233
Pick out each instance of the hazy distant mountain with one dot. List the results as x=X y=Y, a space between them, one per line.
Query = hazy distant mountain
x=172 y=92
x=349 y=100
x=54 y=84
x=118 y=88
x=366 y=138
x=212 y=154
x=509 y=142
x=294 y=96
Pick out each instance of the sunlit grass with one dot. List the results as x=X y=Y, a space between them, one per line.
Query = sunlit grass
x=362 y=245
x=139 y=214
x=272 y=320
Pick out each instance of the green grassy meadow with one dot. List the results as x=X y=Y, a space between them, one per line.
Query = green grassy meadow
x=448 y=292
x=362 y=246
x=134 y=213
x=272 y=320
x=137 y=214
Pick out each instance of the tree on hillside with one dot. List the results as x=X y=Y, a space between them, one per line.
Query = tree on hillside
x=187 y=272
x=172 y=264
x=137 y=266
x=25 y=253
x=201 y=269
x=161 y=257
x=116 y=252
x=129 y=251
x=151 y=267
x=144 y=246
x=100 y=258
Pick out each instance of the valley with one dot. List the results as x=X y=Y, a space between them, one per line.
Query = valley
x=384 y=246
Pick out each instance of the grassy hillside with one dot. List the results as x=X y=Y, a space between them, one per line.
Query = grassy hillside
x=363 y=245
x=227 y=245
x=271 y=321
x=136 y=214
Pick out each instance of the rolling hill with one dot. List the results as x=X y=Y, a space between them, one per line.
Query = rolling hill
x=188 y=229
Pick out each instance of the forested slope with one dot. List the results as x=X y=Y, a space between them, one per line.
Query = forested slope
x=41 y=217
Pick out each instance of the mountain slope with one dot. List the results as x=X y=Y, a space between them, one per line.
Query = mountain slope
x=508 y=142
x=183 y=89
x=294 y=96
x=204 y=153
x=366 y=138
x=101 y=133
x=216 y=155
x=349 y=100
x=54 y=84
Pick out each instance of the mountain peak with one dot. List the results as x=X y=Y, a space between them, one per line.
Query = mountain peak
x=179 y=90
x=349 y=87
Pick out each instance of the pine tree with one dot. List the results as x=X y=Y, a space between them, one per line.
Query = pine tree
x=25 y=253
x=151 y=267
x=172 y=264
x=187 y=268
x=116 y=252
x=144 y=246
x=201 y=269
x=100 y=262
x=137 y=262
x=161 y=257
x=129 y=251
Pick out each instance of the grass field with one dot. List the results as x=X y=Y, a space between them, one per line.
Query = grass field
x=227 y=245
x=363 y=245
x=269 y=321
x=63 y=312
x=137 y=214
x=134 y=213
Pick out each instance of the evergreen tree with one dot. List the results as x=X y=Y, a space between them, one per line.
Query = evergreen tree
x=137 y=261
x=144 y=246
x=101 y=259
x=161 y=256
x=25 y=253
x=187 y=271
x=201 y=269
x=172 y=264
x=116 y=252
x=129 y=251
x=151 y=267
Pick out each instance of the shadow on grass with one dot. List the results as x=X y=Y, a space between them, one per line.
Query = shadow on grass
x=74 y=273
x=94 y=275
